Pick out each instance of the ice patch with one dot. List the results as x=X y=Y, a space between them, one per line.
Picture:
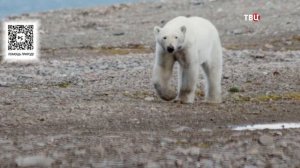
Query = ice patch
x=266 y=126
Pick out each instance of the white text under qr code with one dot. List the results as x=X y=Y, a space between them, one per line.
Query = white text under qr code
x=20 y=37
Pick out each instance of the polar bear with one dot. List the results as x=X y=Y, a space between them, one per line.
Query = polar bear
x=193 y=42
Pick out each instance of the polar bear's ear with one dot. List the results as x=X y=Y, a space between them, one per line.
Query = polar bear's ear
x=156 y=30
x=183 y=29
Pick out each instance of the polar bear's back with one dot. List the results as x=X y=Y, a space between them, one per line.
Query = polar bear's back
x=195 y=25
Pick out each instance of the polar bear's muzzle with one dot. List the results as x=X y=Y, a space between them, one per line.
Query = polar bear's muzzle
x=170 y=49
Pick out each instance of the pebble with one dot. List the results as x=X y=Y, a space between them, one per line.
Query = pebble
x=148 y=98
x=169 y=140
x=179 y=163
x=99 y=149
x=146 y=148
x=225 y=76
x=58 y=155
x=276 y=153
x=8 y=148
x=220 y=10
x=3 y=85
x=69 y=146
x=40 y=144
x=205 y=163
x=119 y=34
x=269 y=46
x=283 y=144
x=250 y=166
x=180 y=150
x=34 y=161
x=197 y=2
x=189 y=159
x=182 y=129
x=277 y=133
x=80 y=152
x=5 y=141
x=237 y=31
x=27 y=147
x=170 y=157
x=195 y=151
x=151 y=164
x=296 y=153
x=258 y=55
x=253 y=151
x=166 y=141
x=266 y=140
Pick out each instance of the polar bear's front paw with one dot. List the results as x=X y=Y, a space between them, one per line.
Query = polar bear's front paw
x=165 y=93
x=168 y=95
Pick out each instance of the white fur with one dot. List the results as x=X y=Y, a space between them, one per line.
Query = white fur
x=194 y=43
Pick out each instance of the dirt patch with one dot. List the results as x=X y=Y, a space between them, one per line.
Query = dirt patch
x=282 y=43
x=123 y=50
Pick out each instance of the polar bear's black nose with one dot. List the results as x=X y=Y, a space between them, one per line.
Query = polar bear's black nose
x=170 y=49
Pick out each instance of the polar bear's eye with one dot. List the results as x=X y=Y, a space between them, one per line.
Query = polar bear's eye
x=165 y=38
x=176 y=37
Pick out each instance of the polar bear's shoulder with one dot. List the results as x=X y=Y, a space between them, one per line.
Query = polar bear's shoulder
x=176 y=22
x=198 y=21
x=188 y=21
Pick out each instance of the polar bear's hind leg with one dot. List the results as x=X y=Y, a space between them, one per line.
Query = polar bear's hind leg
x=213 y=74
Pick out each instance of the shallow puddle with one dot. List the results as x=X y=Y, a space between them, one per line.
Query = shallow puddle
x=266 y=126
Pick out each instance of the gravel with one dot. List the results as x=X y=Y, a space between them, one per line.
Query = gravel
x=89 y=101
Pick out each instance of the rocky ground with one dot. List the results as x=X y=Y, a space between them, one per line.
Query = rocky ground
x=89 y=101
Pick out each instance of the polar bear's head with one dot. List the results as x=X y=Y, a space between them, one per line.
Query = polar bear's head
x=170 y=41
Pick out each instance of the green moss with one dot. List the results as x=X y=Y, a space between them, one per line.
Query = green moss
x=240 y=46
x=242 y=98
x=64 y=84
x=234 y=89
x=292 y=95
x=181 y=142
x=205 y=145
x=268 y=97
x=284 y=96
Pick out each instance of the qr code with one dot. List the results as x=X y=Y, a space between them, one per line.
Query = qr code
x=20 y=37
